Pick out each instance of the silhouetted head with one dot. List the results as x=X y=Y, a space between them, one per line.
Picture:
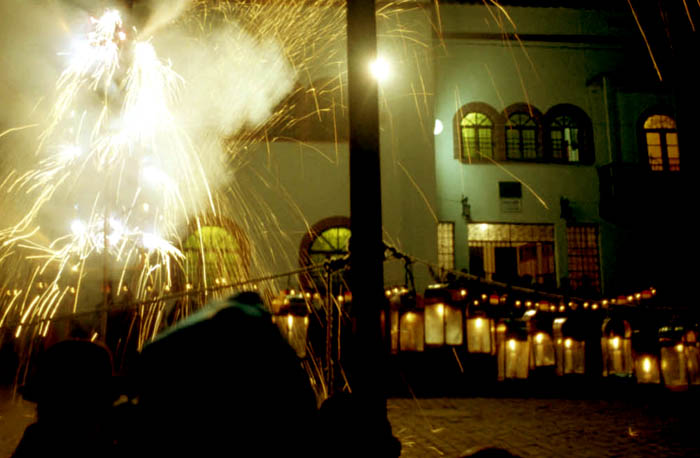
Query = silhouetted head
x=248 y=298
x=72 y=376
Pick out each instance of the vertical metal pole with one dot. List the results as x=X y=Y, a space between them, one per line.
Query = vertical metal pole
x=366 y=247
x=329 y=333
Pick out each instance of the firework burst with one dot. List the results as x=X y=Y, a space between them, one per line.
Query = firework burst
x=136 y=158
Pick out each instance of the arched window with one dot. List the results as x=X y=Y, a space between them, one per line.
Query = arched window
x=521 y=137
x=564 y=133
x=327 y=240
x=215 y=256
x=477 y=136
x=569 y=135
x=661 y=137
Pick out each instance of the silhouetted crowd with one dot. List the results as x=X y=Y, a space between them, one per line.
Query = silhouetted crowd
x=223 y=382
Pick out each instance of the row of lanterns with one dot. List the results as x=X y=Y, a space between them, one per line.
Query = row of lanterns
x=670 y=355
x=450 y=317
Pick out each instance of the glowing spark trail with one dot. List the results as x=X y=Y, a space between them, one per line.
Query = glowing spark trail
x=135 y=153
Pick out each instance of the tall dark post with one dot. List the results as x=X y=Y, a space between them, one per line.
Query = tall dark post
x=366 y=246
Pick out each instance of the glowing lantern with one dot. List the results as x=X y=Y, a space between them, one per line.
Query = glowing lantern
x=540 y=339
x=407 y=328
x=293 y=322
x=616 y=345
x=674 y=366
x=443 y=317
x=494 y=299
x=512 y=350
x=646 y=368
x=481 y=336
x=645 y=345
x=411 y=330
x=570 y=346
x=692 y=353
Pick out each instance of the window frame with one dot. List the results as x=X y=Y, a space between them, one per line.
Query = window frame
x=584 y=126
x=537 y=238
x=536 y=116
x=307 y=279
x=446 y=245
x=663 y=133
x=544 y=150
x=497 y=140
x=582 y=254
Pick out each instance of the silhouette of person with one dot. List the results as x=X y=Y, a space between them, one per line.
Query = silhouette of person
x=225 y=382
x=73 y=389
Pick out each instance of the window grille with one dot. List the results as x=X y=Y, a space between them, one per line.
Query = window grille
x=513 y=253
x=446 y=245
x=584 y=267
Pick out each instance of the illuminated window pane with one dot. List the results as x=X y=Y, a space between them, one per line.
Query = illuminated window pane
x=485 y=143
x=446 y=245
x=672 y=139
x=662 y=143
x=328 y=244
x=653 y=139
x=660 y=122
x=469 y=141
x=571 y=138
x=477 y=135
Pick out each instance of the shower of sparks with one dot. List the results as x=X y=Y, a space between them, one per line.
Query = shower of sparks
x=110 y=138
x=118 y=181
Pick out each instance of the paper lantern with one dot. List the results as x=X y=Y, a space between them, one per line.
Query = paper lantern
x=443 y=317
x=512 y=350
x=539 y=326
x=570 y=346
x=616 y=346
x=481 y=335
x=674 y=364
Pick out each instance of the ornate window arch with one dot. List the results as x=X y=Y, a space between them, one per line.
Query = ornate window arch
x=569 y=135
x=477 y=127
x=660 y=139
x=326 y=240
x=523 y=132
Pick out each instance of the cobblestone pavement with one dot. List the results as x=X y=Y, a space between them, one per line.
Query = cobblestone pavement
x=537 y=427
x=546 y=427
